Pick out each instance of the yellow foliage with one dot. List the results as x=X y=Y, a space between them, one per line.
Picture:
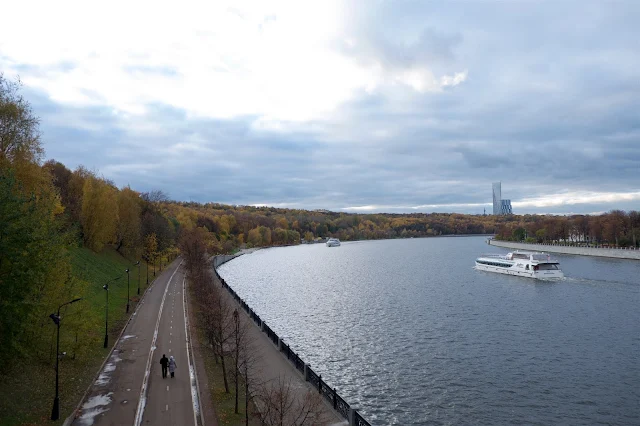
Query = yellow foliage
x=99 y=213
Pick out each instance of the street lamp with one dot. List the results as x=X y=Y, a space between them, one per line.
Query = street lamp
x=138 y=265
x=235 y=319
x=55 y=412
x=106 y=313
x=127 y=271
x=147 y=262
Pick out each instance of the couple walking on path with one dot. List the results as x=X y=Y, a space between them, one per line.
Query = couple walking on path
x=170 y=363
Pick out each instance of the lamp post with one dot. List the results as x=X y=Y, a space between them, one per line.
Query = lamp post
x=127 y=271
x=235 y=320
x=138 y=265
x=147 y=259
x=55 y=412
x=106 y=313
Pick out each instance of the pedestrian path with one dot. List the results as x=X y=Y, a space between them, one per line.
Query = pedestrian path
x=130 y=389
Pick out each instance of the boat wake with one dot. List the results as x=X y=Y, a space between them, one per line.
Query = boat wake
x=599 y=282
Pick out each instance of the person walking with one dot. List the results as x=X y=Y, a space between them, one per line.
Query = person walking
x=164 y=361
x=172 y=365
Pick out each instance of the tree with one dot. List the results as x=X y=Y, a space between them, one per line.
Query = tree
x=614 y=226
x=156 y=196
x=279 y=404
x=519 y=234
x=129 y=210
x=34 y=266
x=155 y=222
x=193 y=246
x=254 y=238
x=265 y=235
x=99 y=213
x=33 y=262
x=150 y=247
x=634 y=219
x=282 y=223
x=19 y=133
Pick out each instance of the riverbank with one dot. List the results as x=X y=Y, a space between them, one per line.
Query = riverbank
x=274 y=365
x=581 y=251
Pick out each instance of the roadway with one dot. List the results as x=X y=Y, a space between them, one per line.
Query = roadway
x=130 y=389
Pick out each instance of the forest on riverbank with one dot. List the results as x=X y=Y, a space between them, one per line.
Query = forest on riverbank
x=614 y=229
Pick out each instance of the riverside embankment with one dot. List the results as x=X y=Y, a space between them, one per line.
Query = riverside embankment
x=278 y=361
x=618 y=253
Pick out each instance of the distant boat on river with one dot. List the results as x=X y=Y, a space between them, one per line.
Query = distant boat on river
x=333 y=242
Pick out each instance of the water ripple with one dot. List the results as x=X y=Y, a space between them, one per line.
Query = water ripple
x=410 y=334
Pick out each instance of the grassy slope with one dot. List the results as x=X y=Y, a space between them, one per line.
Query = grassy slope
x=27 y=393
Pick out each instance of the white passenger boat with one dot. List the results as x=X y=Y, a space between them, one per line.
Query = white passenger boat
x=524 y=264
x=333 y=242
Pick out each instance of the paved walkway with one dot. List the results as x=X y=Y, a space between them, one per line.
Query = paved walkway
x=271 y=365
x=130 y=389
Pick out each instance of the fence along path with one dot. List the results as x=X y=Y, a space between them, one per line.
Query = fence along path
x=347 y=412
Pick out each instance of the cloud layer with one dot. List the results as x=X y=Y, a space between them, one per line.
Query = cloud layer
x=355 y=106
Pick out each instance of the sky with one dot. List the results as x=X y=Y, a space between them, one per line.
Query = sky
x=355 y=106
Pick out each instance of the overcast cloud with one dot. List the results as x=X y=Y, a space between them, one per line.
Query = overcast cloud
x=357 y=106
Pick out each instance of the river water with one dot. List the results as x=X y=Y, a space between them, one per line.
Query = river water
x=410 y=334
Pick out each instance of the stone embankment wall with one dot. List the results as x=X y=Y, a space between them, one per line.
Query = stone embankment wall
x=620 y=253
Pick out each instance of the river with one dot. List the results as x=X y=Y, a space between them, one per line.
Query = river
x=410 y=334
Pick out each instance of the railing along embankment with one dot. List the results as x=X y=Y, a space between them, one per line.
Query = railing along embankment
x=618 y=253
x=329 y=393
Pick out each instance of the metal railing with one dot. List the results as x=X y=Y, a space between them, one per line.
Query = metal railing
x=330 y=394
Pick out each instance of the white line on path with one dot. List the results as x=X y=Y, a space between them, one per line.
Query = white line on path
x=193 y=377
x=143 y=389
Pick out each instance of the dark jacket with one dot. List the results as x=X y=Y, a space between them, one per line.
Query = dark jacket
x=164 y=361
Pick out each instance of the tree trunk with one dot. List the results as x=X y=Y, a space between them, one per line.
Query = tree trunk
x=236 y=378
x=224 y=375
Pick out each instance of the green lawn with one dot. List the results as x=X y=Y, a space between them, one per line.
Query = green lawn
x=27 y=392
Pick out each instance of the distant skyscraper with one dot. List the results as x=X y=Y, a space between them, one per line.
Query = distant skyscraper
x=505 y=207
x=500 y=206
x=497 y=197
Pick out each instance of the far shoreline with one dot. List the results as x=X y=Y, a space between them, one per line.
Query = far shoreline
x=612 y=253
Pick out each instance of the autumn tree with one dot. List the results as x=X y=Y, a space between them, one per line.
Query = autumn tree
x=129 y=211
x=150 y=247
x=34 y=267
x=19 y=132
x=634 y=223
x=254 y=238
x=99 y=213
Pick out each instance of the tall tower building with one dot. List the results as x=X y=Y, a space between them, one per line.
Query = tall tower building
x=497 y=198
x=505 y=207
